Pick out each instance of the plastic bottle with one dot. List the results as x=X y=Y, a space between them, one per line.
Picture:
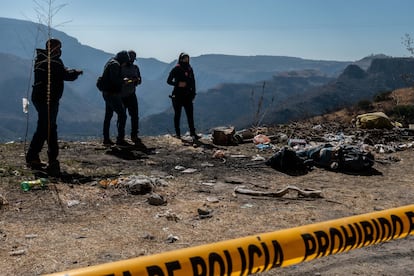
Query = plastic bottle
x=29 y=184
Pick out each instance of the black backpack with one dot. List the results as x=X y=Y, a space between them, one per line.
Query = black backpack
x=103 y=83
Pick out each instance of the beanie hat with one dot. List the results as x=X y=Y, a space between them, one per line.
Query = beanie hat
x=132 y=55
x=54 y=44
x=122 y=57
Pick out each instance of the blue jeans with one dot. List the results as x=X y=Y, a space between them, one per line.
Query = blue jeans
x=113 y=103
x=46 y=130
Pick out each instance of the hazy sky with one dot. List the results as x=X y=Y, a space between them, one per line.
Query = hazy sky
x=316 y=29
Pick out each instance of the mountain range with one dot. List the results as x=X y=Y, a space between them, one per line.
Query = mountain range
x=231 y=90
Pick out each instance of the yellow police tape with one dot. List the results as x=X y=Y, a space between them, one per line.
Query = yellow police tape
x=262 y=252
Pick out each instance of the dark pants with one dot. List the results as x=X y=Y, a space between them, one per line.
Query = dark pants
x=131 y=104
x=46 y=130
x=178 y=104
x=114 y=104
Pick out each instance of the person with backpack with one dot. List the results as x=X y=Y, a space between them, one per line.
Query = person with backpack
x=49 y=77
x=132 y=77
x=183 y=94
x=111 y=84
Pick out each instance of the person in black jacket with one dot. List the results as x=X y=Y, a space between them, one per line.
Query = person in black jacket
x=113 y=98
x=132 y=78
x=182 y=78
x=49 y=76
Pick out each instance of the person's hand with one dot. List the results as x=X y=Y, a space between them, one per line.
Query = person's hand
x=79 y=72
x=182 y=84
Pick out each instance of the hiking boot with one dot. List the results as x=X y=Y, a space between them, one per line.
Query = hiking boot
x=108 y=142
x=54 y=168
x=35 y=164
x=136 y=140
x=123 y=144
x=195 y=136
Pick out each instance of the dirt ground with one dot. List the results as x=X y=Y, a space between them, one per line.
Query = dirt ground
x=76 y=222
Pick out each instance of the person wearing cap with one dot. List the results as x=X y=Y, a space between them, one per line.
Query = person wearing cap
x=132 y=78
x=49 y=76
x=183 y=94
x=113 y=100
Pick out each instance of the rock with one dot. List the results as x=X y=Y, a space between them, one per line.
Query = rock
x=189 y=170
x=139 y=186
x=224 y=136
x=233 y=180
x=204 y=213
x=156 y=199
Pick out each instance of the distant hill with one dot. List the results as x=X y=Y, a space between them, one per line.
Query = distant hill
x=292 y=96
x=220 y=78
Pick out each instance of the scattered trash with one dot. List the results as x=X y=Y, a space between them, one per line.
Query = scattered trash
x=134 y=184
x=377 y=120
x=238 y=156
x=261 y=139
x=296 y=142
x=74 y=202
x=208 y=184
x=301 y=192
x=258 y=158
x=212 y=199
x=17 y=252
x=219 y=154
x=179 y=168
x=263 y=146
x=317 y=127
x=244 y=135
x=171 y=238
x=30 y=184
x=106 y=183
x=25 y=104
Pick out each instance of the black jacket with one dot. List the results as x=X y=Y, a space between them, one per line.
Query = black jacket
x=182 y=73
x=113 y=77
x=58 y=74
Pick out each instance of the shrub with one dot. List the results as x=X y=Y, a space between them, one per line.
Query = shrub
x=365 y=105
x=382 y=96
x=403 y=113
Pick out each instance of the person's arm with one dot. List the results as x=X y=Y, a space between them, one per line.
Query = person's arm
x=192 y=84
x=138 y=80
x=64 y=73
x=171 y=80
x=71 y=74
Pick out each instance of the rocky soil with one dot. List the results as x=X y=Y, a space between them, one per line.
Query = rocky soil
x=91 y=215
